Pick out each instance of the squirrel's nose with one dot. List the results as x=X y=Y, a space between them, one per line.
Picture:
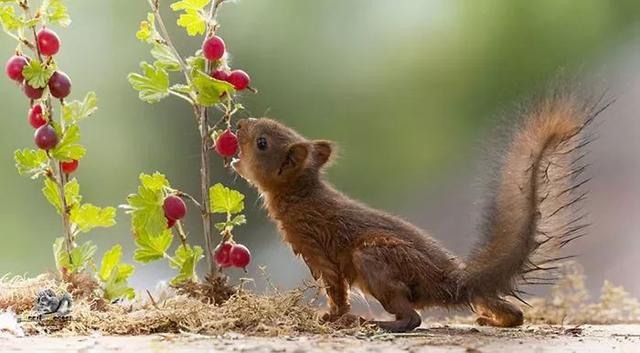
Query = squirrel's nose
x=243 y=122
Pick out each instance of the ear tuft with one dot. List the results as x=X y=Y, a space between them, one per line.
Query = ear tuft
x=323 y=152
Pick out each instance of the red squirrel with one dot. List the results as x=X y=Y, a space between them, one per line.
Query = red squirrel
x=348 y=244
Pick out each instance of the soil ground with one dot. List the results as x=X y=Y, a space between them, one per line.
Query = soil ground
x=437 y=338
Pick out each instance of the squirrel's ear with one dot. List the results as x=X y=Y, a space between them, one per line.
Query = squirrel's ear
x=323 y=151
x=296 y=158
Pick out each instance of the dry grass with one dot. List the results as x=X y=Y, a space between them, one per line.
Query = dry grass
x=274 y=314
x=18 y=293
x=569 y=303
x=171 y=311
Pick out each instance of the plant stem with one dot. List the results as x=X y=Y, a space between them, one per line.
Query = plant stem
x=204 y=188
x=165 y=35
x=69 y=238
x=204 y=153
x=65 y=213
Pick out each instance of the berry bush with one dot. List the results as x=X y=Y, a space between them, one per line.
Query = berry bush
x=207 y=83
x=36 y=71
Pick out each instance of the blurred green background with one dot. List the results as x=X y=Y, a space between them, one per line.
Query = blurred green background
x=407 y=88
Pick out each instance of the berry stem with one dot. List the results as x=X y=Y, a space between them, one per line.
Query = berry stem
x=191 y=198
x=181 y=232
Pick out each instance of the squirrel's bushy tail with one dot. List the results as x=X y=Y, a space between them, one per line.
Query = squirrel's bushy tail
x=534 y=209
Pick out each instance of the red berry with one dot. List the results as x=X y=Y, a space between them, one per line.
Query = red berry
x=46 y=137
x=32 y=92
x=59 y=85
x=14 y=67
x=170 y=222
x=239 y=256
x=174 y=207
x=213 y=48
x=36 y=118
x=48 y=42
x=221 y=255
x=239 y=79
x=69 y=167
x=220 y=75
x=227 y=144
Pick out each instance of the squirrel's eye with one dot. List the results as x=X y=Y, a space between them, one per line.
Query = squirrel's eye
x=261 y=143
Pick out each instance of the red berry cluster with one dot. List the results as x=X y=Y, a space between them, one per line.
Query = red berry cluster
x=46 y=138
x=213 y=50
x=226 y=254
x=231 y=254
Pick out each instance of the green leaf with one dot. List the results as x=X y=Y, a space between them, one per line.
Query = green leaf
x=10 y=21
x=165 y=58
x=151 y=248
x=72 y=196
x=52 y=193
x=59 y=254
x=115 y=275
x=155 y=182
x=147 y=31
x=33 y=162
x=81 y=256
x=152 y=85
x=68 y=148
x=236 y=221
x=110 y=260
x=147 y=215
x=117 y=286
x=189 y=5
x=185 y=260
x=36 y=74
x=72 y=193
x=193 y=21
x=75 y=111
x=55 y=12
x=179 y=87
x=77 y=260
x=209 y=89
x=196 y=63
x=225 y=200
x=88 y=217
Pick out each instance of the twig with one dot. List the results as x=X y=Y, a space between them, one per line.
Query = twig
x=167 y=38
x=153 y=301
x=191 y=198
x=183 y=96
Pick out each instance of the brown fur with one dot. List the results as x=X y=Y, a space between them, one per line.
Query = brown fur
x=346 y=243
